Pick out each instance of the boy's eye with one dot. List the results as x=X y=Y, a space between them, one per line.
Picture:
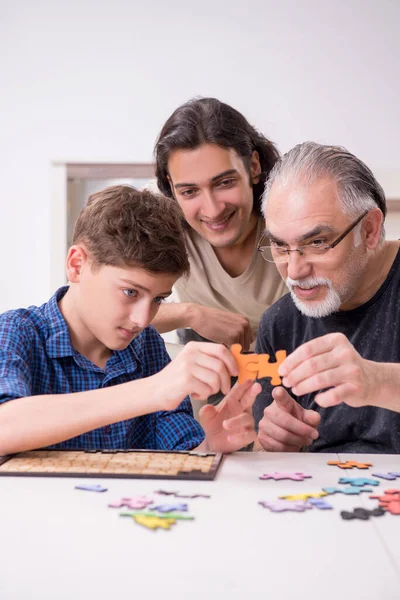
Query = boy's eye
x=130 y=293
x=158 y=300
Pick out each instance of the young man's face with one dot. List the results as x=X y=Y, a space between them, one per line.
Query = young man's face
x=298 y=215
x=116 y=303
x=214 y=190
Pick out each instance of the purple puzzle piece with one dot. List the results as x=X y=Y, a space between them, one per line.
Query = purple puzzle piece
x=137 y=502
x=91 y=487
x=297 y=476
x=166 y=508
x=286 y=505
x=390 y=476
x=320 y=503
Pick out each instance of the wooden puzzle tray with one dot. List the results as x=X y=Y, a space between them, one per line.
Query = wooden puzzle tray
x=131 y=464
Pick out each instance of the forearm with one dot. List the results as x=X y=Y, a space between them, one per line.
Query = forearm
x=387 y=394
x=38 y=421
x=174 y=315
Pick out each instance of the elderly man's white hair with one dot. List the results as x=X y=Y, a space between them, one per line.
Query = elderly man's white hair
x=306 y=163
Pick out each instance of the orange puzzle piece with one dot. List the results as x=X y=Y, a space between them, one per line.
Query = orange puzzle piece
x=257 y=366
x=349 y=464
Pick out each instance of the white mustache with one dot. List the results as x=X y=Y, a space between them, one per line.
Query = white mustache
x=308 y=282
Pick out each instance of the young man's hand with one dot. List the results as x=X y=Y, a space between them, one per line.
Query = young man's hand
x=331 y=363
x=286 y=426
x=221 y=326
x=229 y=426
x=201 y=369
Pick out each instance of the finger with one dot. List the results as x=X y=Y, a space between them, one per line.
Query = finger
x=249 y=397
x=310 y=368
x=216 y=350
x=312 y=418
x=234 y=398
x=216 y=367
x=240 y=423
x=210 y=378
x=312 y=348
x=272 y=445
x=325 y=379
x=207 y=414
x=285 y=436
x=335 y=396
x=283 y=399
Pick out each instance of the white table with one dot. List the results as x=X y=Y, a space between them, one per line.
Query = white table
x=60 y=543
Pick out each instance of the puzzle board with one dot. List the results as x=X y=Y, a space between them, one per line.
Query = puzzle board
x=131 y=464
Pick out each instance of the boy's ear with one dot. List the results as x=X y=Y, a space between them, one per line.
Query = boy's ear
x=77 y=258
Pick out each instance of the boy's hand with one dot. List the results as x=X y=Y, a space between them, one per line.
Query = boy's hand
x=229 y=426
x=201 y=369
x=286 y=426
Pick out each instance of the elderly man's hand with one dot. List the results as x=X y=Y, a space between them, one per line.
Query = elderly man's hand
x=331 y=363
x=286 y=426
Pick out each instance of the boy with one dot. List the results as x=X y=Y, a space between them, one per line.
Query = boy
x=85 y=370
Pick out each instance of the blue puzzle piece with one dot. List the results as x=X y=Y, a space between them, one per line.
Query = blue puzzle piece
x=320 y=503
x=166 y=508
x=358 y=481
x=91 y=487
x=390 y=476
x=350 y=490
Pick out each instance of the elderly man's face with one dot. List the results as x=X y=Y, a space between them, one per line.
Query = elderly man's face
x=298 y=215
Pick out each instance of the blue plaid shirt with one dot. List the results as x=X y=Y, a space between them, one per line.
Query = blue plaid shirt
x=36 y=357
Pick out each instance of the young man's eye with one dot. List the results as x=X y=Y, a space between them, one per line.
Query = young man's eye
x=226 y=182
x=187 y=193
x=130 y=293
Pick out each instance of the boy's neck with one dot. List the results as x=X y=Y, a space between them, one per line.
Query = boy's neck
x=82 y=339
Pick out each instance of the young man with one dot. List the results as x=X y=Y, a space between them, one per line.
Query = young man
x=85 y=370
x=324 y=215
x=214 y=163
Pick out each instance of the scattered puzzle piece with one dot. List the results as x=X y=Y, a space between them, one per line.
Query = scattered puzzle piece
x=358 y=481
x=167 y=508
x=177 y=517
x=138 y=502
x=178 y=495
x=253 y=366
x=91 y=487
x=350 y=490
x=320 y=503
x=304 y=496
x=390 y=501
x=286 y=505
x=349 y=464
x=154 y=521
x=293 y=476
x=389 y=476
x=361 y=513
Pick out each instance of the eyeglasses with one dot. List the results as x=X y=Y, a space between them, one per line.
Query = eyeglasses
x=315 y=250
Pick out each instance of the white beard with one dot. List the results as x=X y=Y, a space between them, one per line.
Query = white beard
x=316 y=309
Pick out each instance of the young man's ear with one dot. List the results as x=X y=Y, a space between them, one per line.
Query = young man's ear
x=77 y=258
x=255 y=167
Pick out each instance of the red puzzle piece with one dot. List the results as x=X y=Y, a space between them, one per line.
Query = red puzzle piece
x=390 y=501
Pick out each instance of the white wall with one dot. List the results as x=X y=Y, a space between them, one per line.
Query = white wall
x=95 y=80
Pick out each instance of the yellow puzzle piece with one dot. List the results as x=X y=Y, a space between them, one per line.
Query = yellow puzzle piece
x=154 y=522
x=257 y=366
x=304 y=496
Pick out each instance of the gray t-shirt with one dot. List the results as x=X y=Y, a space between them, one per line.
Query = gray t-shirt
x=374 y=330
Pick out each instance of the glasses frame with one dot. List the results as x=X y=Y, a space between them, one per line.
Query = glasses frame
x=287 y=251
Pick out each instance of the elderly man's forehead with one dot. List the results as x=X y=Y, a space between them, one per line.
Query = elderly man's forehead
x=301 y=196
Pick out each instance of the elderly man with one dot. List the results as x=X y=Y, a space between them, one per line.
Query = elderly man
x=340 y=324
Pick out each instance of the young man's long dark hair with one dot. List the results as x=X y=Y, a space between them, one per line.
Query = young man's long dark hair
x=209 y=121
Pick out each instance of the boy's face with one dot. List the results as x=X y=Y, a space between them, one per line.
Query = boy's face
x=116 y=303
x=214 y=191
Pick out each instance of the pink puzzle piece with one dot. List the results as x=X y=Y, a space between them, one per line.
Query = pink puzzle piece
x=138 y=502
x=280 y=475
x=286 y=505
